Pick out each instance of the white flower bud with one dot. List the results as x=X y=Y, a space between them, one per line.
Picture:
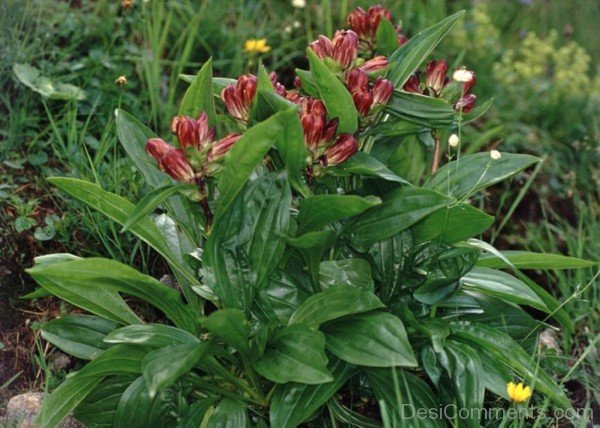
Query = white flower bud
x=495 y=154
x=300 y=4
x=462 y=75
x=453 y=140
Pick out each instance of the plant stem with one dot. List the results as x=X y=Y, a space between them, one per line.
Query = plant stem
x=436 y=153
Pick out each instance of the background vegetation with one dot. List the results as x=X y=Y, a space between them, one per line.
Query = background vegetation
x=59 y=62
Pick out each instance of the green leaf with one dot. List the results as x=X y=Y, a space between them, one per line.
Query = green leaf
x=387 y=38
x=422 y=110
x=246 y=154
x=199 y=96
x=529 y=260
x=293 y=403
x=403 y=395
x=307 y=82
x=463 y=381
x=120 y=359
x=312 y=246
x=246 y=245
x=229 y=414
x=162 y=367
x=31 y=77
x=78 y=335
x=395 y=128
x=152 y=335
x=318 y=211
x=408 y=57
x=285 y=295
x=452 y=224
x=400 y=210
x=335 y=302
x=295 y=354
x=230 y=325
x=334 y=94
x=373 y=339
x=476 y=172
x=119 y=209
x=363 y=164
x=93 y=284
x=152 y=200
x=509 y=353
x=355 y=272
x=137 y=409
x=502 y=285
x=195 y=414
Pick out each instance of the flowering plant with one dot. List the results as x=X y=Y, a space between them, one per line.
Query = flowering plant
x=327 y=266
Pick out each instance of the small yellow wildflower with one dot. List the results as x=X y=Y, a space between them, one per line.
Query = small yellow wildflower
x=518 y=393
x=256 y=46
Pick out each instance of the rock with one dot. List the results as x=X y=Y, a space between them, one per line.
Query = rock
x=22 y=409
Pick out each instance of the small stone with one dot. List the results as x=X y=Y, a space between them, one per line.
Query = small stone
x=22 y=409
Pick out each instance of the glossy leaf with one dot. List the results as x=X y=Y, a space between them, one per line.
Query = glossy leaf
x=247 y=243
x=363 y=164
x=295 y=354
x=119 y=209
x=312 y=246
x=355 y=272
x=99 y=407
x=285 y=295
x=373 y=339
x=319 y=211
x=151 y=335
x=503 y=285
x=390 y=258
x=509 y=353
x=199 y=96
x=120 y=359
x=293 y=403
x=400 y=209
x=404 y=394
x=476 y=172
x=452 y=224
x=162 y=367
x=230 y=325
x=529 y=260
x=334 y=94
x=78 y=335
x=195 y=414
x=94 y=284
x=246 y=154
x=229 y=414
x=333 y=303
x=408 y=57
x=307 y=83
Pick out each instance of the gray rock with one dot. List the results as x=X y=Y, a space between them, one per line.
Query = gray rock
x=22 y=409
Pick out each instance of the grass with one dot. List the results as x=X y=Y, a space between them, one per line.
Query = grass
x=91 y=44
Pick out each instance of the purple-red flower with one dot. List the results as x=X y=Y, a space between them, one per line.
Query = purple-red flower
x=170 y=160
x=343 y=48
x=192 y=133
x=238 y=96
x=365 y=96
x=375 y=64
x=318 y=130
x=344 y=147
x=222 y=146
x=466 y=103
x=382 y=91
x=435 y=76
x=366 y=22
x=412 y=85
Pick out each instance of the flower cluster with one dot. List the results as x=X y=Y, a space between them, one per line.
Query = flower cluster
x=198 y=155
x=366 y=22
x=437 y=85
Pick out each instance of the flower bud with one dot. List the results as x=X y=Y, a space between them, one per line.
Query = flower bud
x=158 y=148
x=344 y=147
x=468 y=85
x=176 y=165
x=375 y=14
x=363 y=100
x=463 y=75
x=412 y=85
x=382 y=91
x=279 y=88
x=375 y=64
x=192 y=133
x=356 y=80
x=317 y=129
x=435 y=76
x=495 y=154
x=402 y=39
x=223 y=145
x=322 y=47
x=345 y=47
x=453 y=140
x=466 y=103
x=238 y=97
x=358 y=20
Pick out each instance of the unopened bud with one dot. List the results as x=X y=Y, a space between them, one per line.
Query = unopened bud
x=344 y=147
x=495 y=154
x=453 y=140
x=435 y=76
x=463 y=75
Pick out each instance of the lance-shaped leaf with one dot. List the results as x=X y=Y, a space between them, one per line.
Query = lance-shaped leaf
x=199 y=96
x=295 y=354
x=312 y=246
x=151 y=335
x=231 y=326
x=355 y=272
x=229 y=413
x=363 y=164
x=529 y=260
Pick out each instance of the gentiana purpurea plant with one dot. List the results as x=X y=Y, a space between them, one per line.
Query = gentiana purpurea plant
x=310 y=274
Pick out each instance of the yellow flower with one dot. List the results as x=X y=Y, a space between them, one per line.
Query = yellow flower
x=121 y=81
x=518 y=393
x=256 y=46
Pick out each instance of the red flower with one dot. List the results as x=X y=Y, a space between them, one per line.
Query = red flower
x=364 y=97
x=412 y=85
x=375 y=64
x=466 y=103
x=435 y=76
x=344 y=147
x=192 y=133
x=382 y=91
x=222 y=146
x=317 y=129
x=170 y=160
x=343 y=48
x=238 y=97
x=279 y=88
x=365 y=23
